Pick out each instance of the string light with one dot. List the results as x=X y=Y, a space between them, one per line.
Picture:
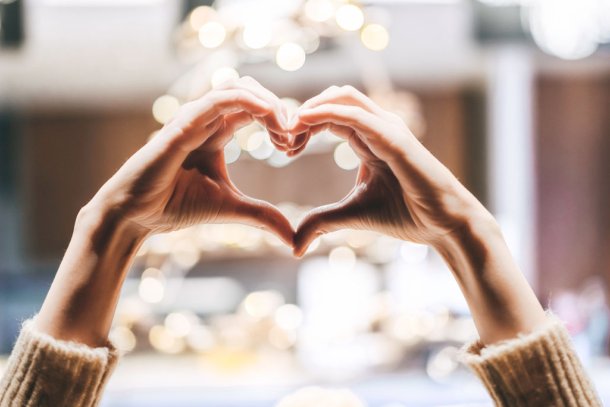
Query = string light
x=123 y=338
x=222 y=75
x=232 y=151
x=290 y=56
x=185 y=253
x=565 y=28
x=375 y=37
x=179 y=324
x=261 y=304
x=265 y=149
x=349 y=17
x=200 y=338
x=281 y=339
x=212 y=34
x=288 y=317
x=164 y=108
x=151 y=290
x=164 y=341
x=201 y=15
x=257 y=35
x=342 y=258
x=319 y=10
x=255 y=140
x=345 y=157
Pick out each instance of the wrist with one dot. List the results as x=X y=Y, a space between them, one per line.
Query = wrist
x=80 y=304
x=471 y=243
x=103 y=223
x=500 y=299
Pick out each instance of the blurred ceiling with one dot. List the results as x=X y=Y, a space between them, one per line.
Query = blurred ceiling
x=92 y=53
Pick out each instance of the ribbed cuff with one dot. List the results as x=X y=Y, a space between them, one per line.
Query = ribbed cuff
x=44 y=371
x=537 y=369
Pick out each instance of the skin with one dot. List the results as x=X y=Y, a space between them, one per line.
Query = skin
x=176 y=180
x=179 y=179
x=403 y=191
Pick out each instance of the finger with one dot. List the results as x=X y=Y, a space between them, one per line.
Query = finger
x=229 y=125
x=350 y=116
x=278 y=146
x=292 y=153
x=325 y=219
x=194 y=124
x=300 y=140
x=179 y=133
x=348 y=134
x=279 y=138
x=344 y=95
x=275 y=121
x=263 y=215
x=340 y=131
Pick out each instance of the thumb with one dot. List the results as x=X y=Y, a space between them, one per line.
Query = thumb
x=262 y=214
x=326 y=219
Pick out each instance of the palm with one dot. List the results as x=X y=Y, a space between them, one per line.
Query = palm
x=376 y=203
x=199 y=191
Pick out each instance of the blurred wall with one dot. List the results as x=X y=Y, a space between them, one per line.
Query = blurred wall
x=573 y=149
x=66 y=157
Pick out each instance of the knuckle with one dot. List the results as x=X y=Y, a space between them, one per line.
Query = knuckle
x=349 y=89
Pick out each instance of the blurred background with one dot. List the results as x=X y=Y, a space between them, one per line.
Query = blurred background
x=512 y=95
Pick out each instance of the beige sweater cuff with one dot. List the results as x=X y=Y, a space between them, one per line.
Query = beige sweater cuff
x=537 y=369
x=44 y=371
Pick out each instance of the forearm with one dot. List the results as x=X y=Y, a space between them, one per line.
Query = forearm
x=501 y=301
x=81 y=302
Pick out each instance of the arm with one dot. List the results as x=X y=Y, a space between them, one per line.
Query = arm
x=178 y=179
x=404 y=191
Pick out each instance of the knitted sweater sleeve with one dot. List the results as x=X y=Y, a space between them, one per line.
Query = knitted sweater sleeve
x=43 y=371
x=537 y=369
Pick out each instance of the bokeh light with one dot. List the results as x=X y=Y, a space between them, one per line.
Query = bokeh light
x=212 y=34
x=222 y=75
x=345 y=157
x=232 y=151
x=151 y=289
x=342 y=257
x=375 y=37
x=290 y=56
x=319 y=10
x=565 y=28
x=164 y=108
x=201 y=15
x=257 y=34
x=349 y=17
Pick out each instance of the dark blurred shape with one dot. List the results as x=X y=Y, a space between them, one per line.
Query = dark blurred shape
x=11 y=23
x=493 y=24
x=190 y=5
x=9 y=179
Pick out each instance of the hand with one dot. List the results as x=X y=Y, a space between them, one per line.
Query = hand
x=180 y=178
x=401 y=189
x=176 y=180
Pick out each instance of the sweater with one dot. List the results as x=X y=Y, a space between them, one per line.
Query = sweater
x=537 y=369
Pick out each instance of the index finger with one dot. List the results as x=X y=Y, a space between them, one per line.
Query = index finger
x=179 y=131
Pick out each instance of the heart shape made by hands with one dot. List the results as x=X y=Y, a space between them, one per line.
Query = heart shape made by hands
x=376 y=202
